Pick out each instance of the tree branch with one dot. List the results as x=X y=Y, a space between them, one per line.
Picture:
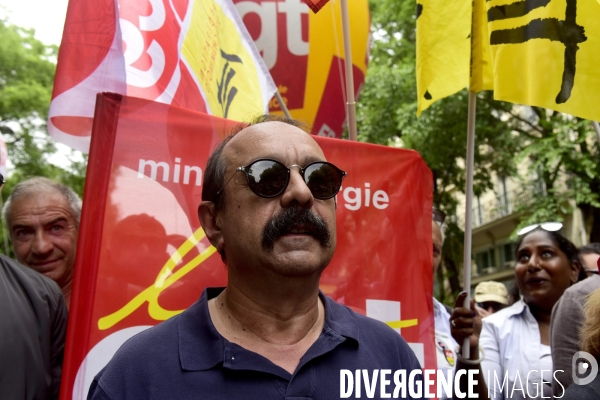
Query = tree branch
x=527 y=122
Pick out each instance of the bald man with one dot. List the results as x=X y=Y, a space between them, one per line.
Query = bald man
x=268 y=207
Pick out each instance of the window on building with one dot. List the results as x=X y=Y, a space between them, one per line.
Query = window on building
x=495 y=259
x=486 y=261
x=507 y=255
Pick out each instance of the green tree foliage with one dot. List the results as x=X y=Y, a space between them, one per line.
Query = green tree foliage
x=562 y=151
x=387 y=115
x=27 y=69
x=565 y=158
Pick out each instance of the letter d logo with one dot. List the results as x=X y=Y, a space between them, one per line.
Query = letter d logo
x=580 y=367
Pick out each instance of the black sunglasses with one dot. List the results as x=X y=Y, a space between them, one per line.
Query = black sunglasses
x=269 y=178
x=438 y=215
x=493 y=304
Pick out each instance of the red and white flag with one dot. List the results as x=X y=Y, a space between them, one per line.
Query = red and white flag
x=195 y=54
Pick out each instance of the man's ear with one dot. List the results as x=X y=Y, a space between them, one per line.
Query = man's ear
x=207 y=215
x=575 y=268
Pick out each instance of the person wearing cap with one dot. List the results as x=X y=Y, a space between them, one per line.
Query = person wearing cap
x=490 y=297
x=567 y=321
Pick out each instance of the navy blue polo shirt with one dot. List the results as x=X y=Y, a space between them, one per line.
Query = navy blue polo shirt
x=186 y=358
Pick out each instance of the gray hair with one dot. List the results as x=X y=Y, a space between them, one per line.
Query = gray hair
x=40 y=184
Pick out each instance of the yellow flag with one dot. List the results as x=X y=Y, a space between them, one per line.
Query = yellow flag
x=443 y=49
x=547 y=53
x=230 y=73
x=481 y=74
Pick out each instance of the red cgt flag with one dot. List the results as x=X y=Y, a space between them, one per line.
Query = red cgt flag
x=315 y=5
x=142 y=256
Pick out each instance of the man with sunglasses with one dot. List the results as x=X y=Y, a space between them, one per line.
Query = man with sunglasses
x=268 y=207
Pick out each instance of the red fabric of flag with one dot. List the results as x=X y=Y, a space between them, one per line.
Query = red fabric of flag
x=315 y=5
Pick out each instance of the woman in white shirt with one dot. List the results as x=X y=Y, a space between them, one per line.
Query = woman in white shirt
x=516 y=340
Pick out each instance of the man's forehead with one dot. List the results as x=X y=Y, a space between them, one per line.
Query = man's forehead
x=40 y=203
x=270 y=138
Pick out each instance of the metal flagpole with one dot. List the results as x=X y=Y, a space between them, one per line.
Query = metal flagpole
x=350 y=104
x=468 y=209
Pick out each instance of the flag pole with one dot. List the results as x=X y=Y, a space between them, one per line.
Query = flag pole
x=469 y=209
x=350 y=104
x=282 y=104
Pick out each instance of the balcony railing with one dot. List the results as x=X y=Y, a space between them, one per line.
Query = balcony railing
x=502 y=205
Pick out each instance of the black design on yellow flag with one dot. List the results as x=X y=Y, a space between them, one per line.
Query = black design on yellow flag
x=515 y=10
x=542 y=53
x=226 y=93
x=568 y=32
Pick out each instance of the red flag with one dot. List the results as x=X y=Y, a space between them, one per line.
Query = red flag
x=140 y=237
x=315 y=5
x=195 y=54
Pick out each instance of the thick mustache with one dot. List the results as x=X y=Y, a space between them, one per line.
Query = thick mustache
x=295 y=218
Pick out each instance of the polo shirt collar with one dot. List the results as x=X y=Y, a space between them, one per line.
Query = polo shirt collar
x=201 y=347
x=339 y=319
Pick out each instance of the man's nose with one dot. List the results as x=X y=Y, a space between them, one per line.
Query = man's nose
x=297 y=193
x=41 y=244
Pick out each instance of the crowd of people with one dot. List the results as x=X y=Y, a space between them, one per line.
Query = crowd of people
x=270 y=333
x=527 y=349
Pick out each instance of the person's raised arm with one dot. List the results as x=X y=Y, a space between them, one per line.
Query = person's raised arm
x=466 y=323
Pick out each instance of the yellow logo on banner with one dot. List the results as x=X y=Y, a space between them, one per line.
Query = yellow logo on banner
x=165 y=278
x=402 y=323
x=215 y=52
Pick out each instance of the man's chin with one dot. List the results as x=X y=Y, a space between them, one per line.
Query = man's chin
x=302 y=261
x=49 y=270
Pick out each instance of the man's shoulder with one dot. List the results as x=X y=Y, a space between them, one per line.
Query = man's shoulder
x=160 y=345
x=345 y=315
x=573 y=299
x=584 y=287
x=32 y=282
x=151 y=351
x=157 y=342
x=369 y=332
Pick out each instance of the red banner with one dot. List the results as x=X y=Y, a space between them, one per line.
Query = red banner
x=143 y=257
